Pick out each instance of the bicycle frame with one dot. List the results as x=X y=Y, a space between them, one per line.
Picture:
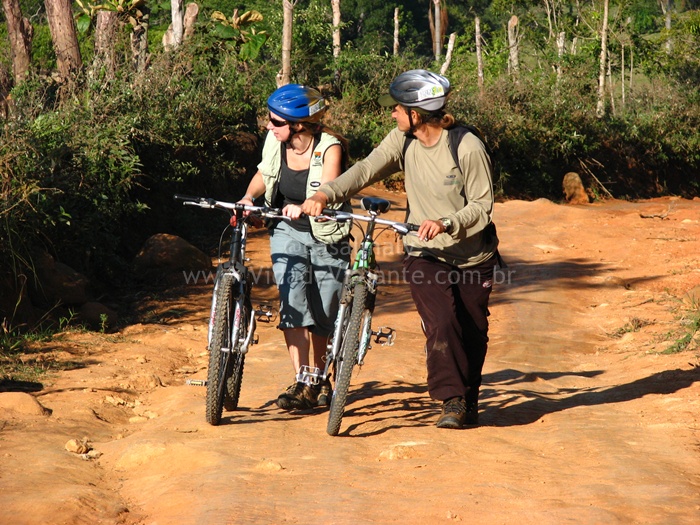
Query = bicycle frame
x=236 y=268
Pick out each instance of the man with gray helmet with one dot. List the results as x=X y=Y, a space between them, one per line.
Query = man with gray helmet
x=450 y=263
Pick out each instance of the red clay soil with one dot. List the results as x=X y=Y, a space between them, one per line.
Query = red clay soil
x=588 y=413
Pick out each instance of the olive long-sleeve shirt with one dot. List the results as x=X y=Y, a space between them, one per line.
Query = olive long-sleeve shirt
x=435 y=189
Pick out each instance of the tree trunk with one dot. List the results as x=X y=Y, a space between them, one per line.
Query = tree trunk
x=173 y=37
x=600 y=108
x=335 y=5
x=177 y=15
x=479 y=56
x=396 y=31
x=283 y=77
x=64 y=37
x=191 y=13
x=139 y=40
x=20 y=32
x=513 y=55
x=104 y=63
x=611 y=88
x=667 y=8
x=448 y=55
x=437 y=32
x=622 y=76
x=561 y=47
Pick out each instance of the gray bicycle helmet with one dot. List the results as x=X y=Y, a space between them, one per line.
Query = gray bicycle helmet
x=418 y=89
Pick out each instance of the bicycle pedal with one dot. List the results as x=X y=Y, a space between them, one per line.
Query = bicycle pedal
x=384 y=336
x=265 y=313
x=196 y=382
x=309 y=375
x=255 y=340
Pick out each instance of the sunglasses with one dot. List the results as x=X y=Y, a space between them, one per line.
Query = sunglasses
x=278 y=123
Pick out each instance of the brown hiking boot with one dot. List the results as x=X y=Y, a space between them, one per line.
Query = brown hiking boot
x=324 y=393
x=299 y=396
x=456 y=413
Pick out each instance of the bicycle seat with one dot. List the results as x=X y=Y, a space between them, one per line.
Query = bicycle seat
x=375 y=204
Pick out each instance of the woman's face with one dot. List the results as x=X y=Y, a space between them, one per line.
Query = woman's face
x=279 y=127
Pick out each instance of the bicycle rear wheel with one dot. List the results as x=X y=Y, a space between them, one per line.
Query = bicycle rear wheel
x=347 y=359
x=220 y=348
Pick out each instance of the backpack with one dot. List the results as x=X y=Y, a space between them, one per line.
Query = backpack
x=455 y=134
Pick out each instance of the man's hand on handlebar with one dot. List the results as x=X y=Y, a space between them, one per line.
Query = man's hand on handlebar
x=313 y=206
x=430 y=229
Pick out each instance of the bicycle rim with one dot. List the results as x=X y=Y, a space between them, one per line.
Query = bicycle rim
x=346 y=360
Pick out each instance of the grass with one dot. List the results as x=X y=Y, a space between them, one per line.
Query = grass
x=17 y=364
x=633 y=325
x=687 y=337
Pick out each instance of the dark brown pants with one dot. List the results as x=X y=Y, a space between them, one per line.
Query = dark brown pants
x=453 y=304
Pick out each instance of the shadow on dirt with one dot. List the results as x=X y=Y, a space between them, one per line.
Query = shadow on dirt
x=503 y=408
x=499 y=407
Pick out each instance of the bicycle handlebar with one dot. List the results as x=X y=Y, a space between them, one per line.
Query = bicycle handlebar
x=205 y=202
x=341 y=216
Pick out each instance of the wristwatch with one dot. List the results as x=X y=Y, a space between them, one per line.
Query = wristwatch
x=447 y=224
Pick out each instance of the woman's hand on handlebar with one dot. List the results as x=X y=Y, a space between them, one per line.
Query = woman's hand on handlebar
x=313 y=206
x=292 y=211
x=254 y=221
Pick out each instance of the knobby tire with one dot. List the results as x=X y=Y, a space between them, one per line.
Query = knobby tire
x=220 y=363
x=235 y=375
x=347 y=358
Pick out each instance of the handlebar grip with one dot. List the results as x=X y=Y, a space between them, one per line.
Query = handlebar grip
x=180 y=197
x=412 y=227
x=329 y=212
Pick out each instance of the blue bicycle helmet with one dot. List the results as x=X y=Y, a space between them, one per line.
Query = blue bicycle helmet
x=297 y=103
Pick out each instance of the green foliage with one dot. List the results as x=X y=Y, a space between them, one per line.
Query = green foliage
x=88 y=173
x=240 y=32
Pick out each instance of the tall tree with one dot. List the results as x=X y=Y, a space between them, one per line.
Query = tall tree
x=438 y=25
x=396 y=31
x=335 y=5
x=64 y=37
x=600 y=107
x=283 y=77
x=513 y=52
x=20 y=32
x=479 y=56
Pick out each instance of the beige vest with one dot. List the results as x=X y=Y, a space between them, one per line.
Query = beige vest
x=328 y=232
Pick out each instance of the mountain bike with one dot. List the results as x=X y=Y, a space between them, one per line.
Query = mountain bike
x=353 y=327
x=232 y=319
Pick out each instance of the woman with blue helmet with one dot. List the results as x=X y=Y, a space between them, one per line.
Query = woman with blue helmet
x=308 y=258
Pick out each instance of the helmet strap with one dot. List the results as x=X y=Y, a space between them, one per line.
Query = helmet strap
x=411 y=124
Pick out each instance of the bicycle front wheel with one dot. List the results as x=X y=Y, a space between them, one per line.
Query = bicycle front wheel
x=220 y=348
x=234 y=374
x=347 y=358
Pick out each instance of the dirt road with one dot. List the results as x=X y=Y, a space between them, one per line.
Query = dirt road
x=584 y=418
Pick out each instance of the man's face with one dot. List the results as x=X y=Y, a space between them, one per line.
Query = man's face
x=400 y=114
